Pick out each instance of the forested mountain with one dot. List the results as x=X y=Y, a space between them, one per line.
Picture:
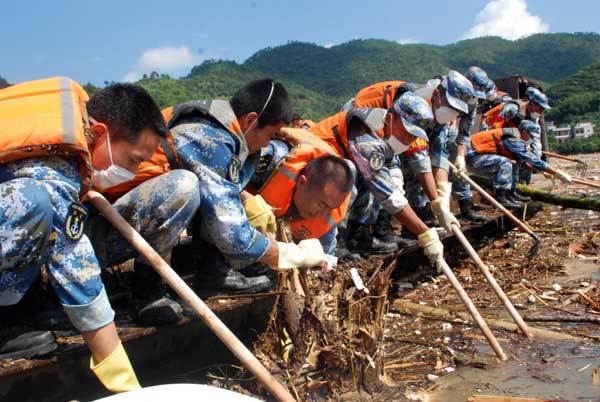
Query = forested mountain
x=321 y=79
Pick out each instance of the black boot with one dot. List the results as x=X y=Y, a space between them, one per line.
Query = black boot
x=153 y=305
x=502 y=196
x=383 y=229
x=425 y=214
x=518 y=197
x=341 y=249
x=361 y=241
x=467 y=212
x=27 y=345
x=214 y=273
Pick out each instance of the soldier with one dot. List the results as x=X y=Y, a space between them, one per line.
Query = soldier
x=51 y=152
x=491 y=154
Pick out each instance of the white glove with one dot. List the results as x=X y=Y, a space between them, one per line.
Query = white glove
x=460 y=163
x=444 y=189
x=306 y=254
x=443 y=215
x=564 y=176
x=432 y=247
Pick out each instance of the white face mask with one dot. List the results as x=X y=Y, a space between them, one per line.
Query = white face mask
x=445 y=114
x=535 y=116
x=491 y=98
x=397 y=146
x=111 y=176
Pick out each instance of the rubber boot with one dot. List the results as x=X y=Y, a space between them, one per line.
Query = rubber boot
x=214 y=273
x=425 y=214
x=467 y=212
x=383 y=229
x=153 y=305
x=503 y=198
x=518 y=197
x=361 y=241
x=341 y=249
x=27 y=345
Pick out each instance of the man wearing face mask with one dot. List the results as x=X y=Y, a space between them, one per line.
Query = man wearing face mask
x=371 y=138
x=491 y=154
x=50 y=154
x=510 y=114
x=220 y=142
x=306 y=185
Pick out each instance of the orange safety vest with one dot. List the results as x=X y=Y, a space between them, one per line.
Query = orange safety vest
x=44 y=118
x=490 y=141
x=334 y=129
x=165 y=158
x=494 y=120
x=380 y=95
x=278 y=190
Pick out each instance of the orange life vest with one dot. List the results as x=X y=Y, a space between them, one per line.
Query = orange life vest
x=380 y=95
x=278 y=190
x=165 y=158
x=494 y=120
x=490 y=141
x=45 y=117
x=334 y=129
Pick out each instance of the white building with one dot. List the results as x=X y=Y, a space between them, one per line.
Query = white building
x=562 y=134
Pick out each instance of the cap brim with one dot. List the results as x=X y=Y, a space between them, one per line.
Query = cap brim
x=414 y=129
x=457 y=104
x=545 y=105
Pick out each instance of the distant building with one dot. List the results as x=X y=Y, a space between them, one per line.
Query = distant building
x=562 y=134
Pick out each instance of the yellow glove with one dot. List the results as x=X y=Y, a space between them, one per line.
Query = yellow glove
x=444 y=189
x=444 y=217
x=115 y=372
x=432 y=247
x=260 y=215
x=306 y=254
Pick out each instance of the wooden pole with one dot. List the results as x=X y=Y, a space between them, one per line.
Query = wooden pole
x=491 y=280
x=190 y=298
x=559 y=156
x=585 y=182
x=464 y=297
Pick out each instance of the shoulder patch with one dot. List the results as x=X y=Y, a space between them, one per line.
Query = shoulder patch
x=76 y=220
x=376 y=161
x=234 y=169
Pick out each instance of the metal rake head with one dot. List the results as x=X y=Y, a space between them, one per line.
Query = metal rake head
x=581 y=168
x=535 y=247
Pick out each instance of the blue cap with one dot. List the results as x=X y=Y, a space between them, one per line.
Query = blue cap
x=509 y=111
x=482 y=84
x=415 y=113
x=531 y=127
x=537 y=96
x=459 y=91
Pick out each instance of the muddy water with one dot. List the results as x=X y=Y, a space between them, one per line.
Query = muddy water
x=548 y=370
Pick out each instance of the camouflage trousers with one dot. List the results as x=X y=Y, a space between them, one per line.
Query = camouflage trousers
x=498 y=168
x=159 y=209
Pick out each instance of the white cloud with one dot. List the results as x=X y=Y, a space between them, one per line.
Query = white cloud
x=164 y=60
x=509 y=19
x=407 y=41
x=329 y=45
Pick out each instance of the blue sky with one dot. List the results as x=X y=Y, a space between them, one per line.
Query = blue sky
x=117 y=40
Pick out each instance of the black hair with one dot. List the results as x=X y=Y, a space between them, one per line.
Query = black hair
x=329 y=168
x=126 y=109
x=253 y=96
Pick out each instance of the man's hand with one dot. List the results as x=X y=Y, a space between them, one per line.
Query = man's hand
x=443 y=215
x=564 y=176
x=260 y=215
x=460 y=163
x=306 y=254
x=432 y=247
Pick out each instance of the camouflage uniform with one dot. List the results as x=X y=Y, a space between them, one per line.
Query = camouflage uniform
x=159 y=209
x=35 y=198
x=213 y=155
x=270 y=157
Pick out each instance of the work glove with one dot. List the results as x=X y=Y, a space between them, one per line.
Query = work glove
x=460 y=163
x=306 y=254
x=564 y=176
x=444 y=189
x=115 y=372
x=432 y=247
x=443 y=215
x=260 y=215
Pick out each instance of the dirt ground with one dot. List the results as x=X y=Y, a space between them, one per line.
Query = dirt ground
x=408 y=356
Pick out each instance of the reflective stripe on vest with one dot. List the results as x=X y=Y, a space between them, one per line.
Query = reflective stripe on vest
x=45 y=118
